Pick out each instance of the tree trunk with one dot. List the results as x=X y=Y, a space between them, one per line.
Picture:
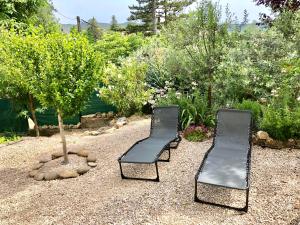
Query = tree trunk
x=32 y=110
x=63 y=137
x=154 y=21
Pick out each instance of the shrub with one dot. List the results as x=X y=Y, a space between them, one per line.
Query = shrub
x=281 y=118
x=114 y=46
x=254 y=107
x=196 y=133
x=281 y=123
x=193 y=108
x=125 y=86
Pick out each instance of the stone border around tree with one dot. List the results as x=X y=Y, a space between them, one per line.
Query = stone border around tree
x=91 y=162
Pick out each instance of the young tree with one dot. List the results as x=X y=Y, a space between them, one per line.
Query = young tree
x=68 y=74
x=114 y=24
x=18 y=64
x=203 y=37
x=94 y=31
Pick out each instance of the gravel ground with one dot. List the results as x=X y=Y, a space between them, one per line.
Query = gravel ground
x=101 y=197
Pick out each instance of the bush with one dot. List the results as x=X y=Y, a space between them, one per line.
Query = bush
x=254 y=107
x=125 y=87
x=281 y=123
x=193 y=108
x=281 y=118
x=115 y=46
x=196 y=133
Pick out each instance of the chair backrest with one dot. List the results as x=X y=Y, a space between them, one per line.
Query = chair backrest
x=234 y=126
x=165 y=121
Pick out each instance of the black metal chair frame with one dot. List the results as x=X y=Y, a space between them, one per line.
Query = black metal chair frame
x=245 y=208
x=166 y=148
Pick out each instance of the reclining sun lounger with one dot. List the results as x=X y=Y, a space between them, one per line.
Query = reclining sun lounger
x=164 y=131
x=227 y=162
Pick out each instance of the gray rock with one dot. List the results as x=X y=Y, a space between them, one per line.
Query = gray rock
x=68 y=173
x=83 y=153
x=51 y=175
x=83 y=170
x=56 y=155
x=92 y=164
x=39 y=177
x=91 y=158
x=121 y=122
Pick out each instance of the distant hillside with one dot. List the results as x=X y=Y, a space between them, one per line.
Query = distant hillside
x=67 y=27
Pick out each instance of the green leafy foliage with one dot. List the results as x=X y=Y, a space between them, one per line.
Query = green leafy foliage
x=193 y=108
x=20 y=13
x=125 y=86
x=196 y=133
x=281 y=118
x=68 y=71
x=254 y=107
x=94 y=31
x=115 y=46
x=203 y=37
x=9 y=138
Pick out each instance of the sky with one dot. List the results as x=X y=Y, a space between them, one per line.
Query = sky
x=103 y=10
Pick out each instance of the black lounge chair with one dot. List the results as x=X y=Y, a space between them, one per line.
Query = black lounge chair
x=164 y=131
x=227 y=162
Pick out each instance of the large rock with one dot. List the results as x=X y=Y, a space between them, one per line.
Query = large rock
x=39 y=176
x=262 y=135
x=83 y=170
x=52 y=175
x=91 y=158
x=68 y=173
x=56 y=155
x=271 y=143
x=83 y=153
x=121 y=122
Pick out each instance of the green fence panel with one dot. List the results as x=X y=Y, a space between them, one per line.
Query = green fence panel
x=10 y=121
x=94 y=105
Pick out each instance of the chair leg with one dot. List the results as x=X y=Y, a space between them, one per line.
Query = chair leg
x=177 y=141
x=168 y=159
x=244 y=209
x=138 y=178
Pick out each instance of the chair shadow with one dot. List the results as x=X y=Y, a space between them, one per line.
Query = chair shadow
x=12 y=181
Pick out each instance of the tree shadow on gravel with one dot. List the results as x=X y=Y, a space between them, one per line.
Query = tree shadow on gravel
x=12 y=181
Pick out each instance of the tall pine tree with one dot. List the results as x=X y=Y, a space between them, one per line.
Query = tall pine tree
x=171 y=9
x=94 y=31
x=114 y=24
x=143 y=15
x=149 y=15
